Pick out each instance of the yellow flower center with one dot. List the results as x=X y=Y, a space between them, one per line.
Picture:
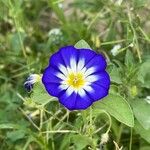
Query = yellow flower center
x=76 y=80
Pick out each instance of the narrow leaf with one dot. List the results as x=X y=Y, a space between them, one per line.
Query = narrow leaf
x=8 y=126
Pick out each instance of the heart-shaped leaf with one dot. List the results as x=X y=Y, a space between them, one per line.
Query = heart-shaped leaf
x=118 y=107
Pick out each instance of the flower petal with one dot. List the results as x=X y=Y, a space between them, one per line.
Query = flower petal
x=98 y=92
x=88 y=88
x=69 y=55
x=100 y=87
x=73 y=64
x=92 y=78
x=50 y=76
x=68 y=101
x=60 y=75
x=83 y=102
x=98 y=62
x=81 y=92
x=90 y=71
x=55 y=60
x=63 y=69
x=104 y=79
x=69 y=91
x=63 y=87
x=86 y=54
x=53 y=89
x=75 y=101
x=80 y=64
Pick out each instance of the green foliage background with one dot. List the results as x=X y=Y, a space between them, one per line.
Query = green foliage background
x=31 y=31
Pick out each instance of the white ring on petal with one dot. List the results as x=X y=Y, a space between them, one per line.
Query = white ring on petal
x=88 y=88
x=69 y=91
x=63 y=87
x=81 y=92
x=92 y=78
x=63 y=69
x=69 y=70
x=87 y=83
x=81 y=64
x=89 y=71
x=73 y=64
x=61 y=76
x=83 y=70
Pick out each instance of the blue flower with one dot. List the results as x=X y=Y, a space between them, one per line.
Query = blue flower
x=77 y=77
x=33 y=78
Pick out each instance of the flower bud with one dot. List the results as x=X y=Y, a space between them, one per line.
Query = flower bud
x=104 y=138
x=31 y=80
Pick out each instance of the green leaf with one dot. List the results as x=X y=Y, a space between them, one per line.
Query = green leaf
x=59 y=12
x=8 y=126
x=81 y=141
x=144 y=148
x=145 y=134
x=144 y=74
x=141 y=111
x=140 y=3
x=82 y=44
x=115 y=75
x=39 y=95
x=15 y=41
x=129 y=59
x=16 y=135
x=65 y=142
x=118 y=107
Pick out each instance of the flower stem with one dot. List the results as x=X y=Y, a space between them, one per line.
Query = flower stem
x=91 y=117
x=130 y=144
x=119 y=133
